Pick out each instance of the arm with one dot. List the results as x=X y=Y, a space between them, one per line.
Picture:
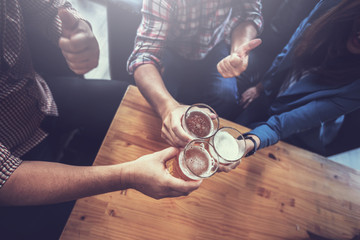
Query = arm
x=152 y=87
x=145 y=64
x=35 y=183
x=245 y=25
x=242 y=34
x=305 y=117
x=301 y=118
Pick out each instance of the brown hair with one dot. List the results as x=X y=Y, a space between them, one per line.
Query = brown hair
x=323 y=47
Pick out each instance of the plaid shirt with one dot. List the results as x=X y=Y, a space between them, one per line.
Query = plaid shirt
x=190 y=27
x=25 y=98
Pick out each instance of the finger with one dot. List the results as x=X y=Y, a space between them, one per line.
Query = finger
x=78 y=57
x=234 y=65
x=228 y=67
x=173 y=125
x=90 y=64
x=246 y=104
x=213 y=115
x=166 y=136
x=67 y=46
x=181 y=135
x=167 y=154
x=170 y=137
x=81 y=71
x=173 y=194
x=182 y=185
x=177 y=142
x=235 y=61
x=181 y=140
x=252 y=45
x=68 y=21
x=243 y=100
x=221 y=69
x=225 y=169
x=229 y=167
x=76 y=44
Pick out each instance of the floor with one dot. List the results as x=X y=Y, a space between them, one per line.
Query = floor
x=95 y=12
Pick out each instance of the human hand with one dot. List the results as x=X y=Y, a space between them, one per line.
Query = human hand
x=249 y=147
x=249 y=96
x=237 y=62
x=150 y=177
x=78 y=43
x=172 y=130
x=227 y=168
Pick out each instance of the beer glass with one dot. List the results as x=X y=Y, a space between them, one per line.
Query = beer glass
x=200 y=121
x=196 y=161
x=229 y=144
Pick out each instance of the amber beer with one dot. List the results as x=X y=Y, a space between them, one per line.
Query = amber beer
x=200 y=121
x=194 y=162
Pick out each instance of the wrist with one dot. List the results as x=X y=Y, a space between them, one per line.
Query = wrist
x=126 y=176
x=259 y=87
x=253 y=142
x=167 y=107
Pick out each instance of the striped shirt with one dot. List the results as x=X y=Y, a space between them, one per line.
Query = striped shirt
x=25 y=98
x=189 y=27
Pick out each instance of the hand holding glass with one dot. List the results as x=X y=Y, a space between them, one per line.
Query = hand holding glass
x=200 y=121
x=196 y=161
x=229 y=144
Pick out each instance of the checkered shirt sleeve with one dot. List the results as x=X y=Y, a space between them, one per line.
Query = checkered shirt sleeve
x=8 y=164
x=42 y=14
x=151 y=35
x=24 y=102
x=244 y=10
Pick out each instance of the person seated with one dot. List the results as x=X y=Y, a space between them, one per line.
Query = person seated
x=281 y=18
x=311 y=84
x=29 y=176
x=191 y=52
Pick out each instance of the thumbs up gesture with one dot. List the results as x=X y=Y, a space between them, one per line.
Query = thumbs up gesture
x=78 y=43
x=237 y=62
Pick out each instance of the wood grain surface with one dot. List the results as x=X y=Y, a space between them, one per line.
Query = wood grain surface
x=281 y=192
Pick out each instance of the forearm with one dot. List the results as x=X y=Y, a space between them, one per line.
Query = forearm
x=243 y=33
x=151 y=85
x=35 y=183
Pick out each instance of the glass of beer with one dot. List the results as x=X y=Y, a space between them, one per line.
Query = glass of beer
x=229 y=144
x=200 y=121
x=196 y=161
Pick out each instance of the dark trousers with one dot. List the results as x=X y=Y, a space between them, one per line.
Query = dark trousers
x=86 y=109
x=199 y=81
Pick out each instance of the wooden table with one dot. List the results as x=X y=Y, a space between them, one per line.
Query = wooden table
x=281 y=192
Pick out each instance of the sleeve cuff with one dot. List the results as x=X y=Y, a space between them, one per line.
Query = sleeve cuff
x=8 y=164
x=266 y=135
x=141 y=60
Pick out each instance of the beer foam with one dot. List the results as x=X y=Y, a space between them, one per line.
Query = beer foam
x=227 y=146
x=198 y=160
x=199 y=123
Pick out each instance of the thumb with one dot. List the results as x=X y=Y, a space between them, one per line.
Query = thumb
x=252 y=45
x=168 y=153
x=68 y=20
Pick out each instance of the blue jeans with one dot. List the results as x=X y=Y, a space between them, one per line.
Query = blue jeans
x=198 y=81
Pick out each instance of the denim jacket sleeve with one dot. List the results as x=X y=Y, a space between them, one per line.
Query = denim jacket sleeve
x=311 y=114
